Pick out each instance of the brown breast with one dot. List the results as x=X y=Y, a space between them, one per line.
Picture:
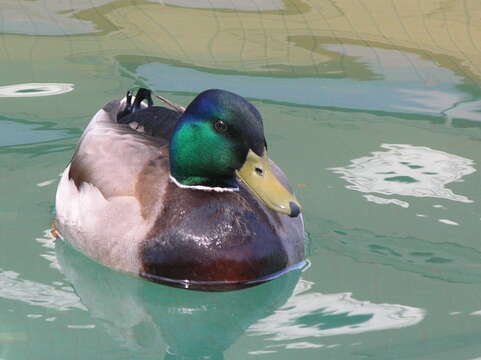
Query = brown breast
x=212 y=237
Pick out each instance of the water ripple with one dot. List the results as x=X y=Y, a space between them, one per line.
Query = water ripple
x=30 y=292
x=35 y=89
x=332 y=314
x=407 y=170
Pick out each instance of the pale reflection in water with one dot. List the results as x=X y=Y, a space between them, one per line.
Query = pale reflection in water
x=332 y=314
x=46 y=17
x=13 y=287
x=244 y=5
x=406 y=170
x=35 y=89
x=393 y=81
x=151 y=318
x=54 y=17
x=431 y=101
x=383 y=201
x=465 y=110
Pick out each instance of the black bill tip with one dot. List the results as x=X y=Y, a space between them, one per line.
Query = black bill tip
x=295 y=209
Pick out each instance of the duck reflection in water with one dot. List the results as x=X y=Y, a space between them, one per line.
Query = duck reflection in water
x=149 y=318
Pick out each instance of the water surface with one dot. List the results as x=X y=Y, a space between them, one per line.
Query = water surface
x=372 y=108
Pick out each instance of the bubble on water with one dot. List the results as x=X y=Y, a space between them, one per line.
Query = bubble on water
x=407 y=170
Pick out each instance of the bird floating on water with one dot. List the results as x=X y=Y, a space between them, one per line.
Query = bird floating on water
x=182 y=196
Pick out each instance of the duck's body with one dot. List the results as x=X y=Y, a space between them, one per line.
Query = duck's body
x=118 y=203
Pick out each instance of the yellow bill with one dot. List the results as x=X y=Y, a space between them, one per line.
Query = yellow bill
x=257 y=174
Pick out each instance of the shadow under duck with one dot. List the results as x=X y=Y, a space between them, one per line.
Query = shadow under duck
x=186 y=197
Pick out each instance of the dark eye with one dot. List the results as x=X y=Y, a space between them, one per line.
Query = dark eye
x=259 y=171
x=220 y=126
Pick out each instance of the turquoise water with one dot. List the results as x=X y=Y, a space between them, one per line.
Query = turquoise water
x=372 y=109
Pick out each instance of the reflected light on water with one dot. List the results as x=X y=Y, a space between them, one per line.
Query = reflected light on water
x=55 y=296
x=430 y=101
x=448 y=222
x=358 y=316
x=35 y=89
x=383 y=201
x=245 y=5
x=13 y=287
x=306 y=313
x=465 y=110
x=54 y=17
x=48 y=242
x=406 y=170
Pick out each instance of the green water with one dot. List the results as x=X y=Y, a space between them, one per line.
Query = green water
x=373 y=109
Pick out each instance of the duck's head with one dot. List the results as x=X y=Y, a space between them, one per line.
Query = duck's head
x=219 y=139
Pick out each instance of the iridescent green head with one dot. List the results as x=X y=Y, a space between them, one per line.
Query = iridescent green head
x=213 y=137
x=220 y=139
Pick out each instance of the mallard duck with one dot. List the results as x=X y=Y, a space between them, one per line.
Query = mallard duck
x=181 y=196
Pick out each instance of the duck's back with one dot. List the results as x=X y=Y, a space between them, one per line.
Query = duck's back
x=115 y=176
